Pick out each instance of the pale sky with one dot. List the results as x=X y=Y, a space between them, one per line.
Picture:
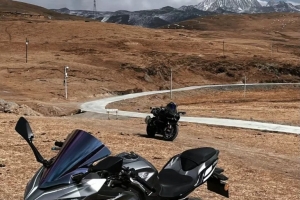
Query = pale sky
x=113 y=5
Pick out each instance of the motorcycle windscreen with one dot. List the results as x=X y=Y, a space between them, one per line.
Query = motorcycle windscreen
x=172 y=108
x=80 y=149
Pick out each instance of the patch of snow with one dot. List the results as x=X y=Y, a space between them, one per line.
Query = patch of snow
x=263 y=3
x=105 y=18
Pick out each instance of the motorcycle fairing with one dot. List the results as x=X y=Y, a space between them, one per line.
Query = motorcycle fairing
x=90 y=185
x=79 y=151
x=108 y=193
x=185 y=177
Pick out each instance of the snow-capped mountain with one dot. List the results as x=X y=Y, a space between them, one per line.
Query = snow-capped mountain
x=283 y=6
x=277 y=6
x=230 y=5
x=169 y=15
x=272 y=3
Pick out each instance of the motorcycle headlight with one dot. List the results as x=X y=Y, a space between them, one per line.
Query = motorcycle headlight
x=145 y=175
x=147 y=119
x=26 y=190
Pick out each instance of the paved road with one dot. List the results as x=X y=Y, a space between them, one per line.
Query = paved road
x=98 y=106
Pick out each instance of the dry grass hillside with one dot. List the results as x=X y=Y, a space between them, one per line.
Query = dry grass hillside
x=109 y=58
x=18 y=10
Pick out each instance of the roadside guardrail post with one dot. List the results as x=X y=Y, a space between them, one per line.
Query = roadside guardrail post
x=112 y=111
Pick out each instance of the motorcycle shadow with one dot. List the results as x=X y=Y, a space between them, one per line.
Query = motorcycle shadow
x=146 y=136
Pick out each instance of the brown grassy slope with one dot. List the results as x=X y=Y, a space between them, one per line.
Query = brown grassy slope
x=280 y=29
x=21 y=7
x=242 y=23
x=109 y=58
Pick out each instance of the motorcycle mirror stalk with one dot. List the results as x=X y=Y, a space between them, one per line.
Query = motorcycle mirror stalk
x=24 y=129
x=182 y=113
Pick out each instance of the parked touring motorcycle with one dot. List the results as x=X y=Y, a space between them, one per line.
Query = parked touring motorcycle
x=73 y=174
x=164 y=122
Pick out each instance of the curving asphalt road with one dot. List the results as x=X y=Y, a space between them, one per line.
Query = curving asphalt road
x=98 y=106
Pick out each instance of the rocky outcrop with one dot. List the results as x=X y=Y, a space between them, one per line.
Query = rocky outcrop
x=12 y=107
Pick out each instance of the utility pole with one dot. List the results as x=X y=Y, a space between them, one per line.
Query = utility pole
x=171 y=84
x=65 y=82
x=272 y=50
x=95 y=8
x=26 y=42
x=245 y=80
x=223 y=47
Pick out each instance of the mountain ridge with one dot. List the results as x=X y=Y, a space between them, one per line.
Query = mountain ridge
x=230 y=5
x=155 y=18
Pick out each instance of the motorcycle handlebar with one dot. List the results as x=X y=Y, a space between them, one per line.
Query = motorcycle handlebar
x=55 y=148
x=132 y=173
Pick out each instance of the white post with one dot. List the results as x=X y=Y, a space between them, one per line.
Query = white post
x=65 y=82
x=27 y=42
x=272 y=50
x=223 y=47
x=245 y=79
x=171 y=83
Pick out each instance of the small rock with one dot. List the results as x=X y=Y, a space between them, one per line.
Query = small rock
x=2 y=165
x=147 y=78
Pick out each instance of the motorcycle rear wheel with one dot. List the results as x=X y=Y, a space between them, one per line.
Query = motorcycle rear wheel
x=175 y=130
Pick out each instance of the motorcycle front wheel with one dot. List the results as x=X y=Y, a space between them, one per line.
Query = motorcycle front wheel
x=171 y=134
x=151 y=131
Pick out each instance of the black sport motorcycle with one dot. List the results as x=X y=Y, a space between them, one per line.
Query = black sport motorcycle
x=164 y=122
x=84 y=170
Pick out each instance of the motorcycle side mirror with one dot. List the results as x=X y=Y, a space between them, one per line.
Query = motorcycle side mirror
x=24 y=129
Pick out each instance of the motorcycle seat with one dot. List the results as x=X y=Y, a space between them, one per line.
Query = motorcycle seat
x=174 y=184
x=194 y=157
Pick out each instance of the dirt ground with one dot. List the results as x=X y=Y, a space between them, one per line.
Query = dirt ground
x=260 y=165
x=110 y=59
